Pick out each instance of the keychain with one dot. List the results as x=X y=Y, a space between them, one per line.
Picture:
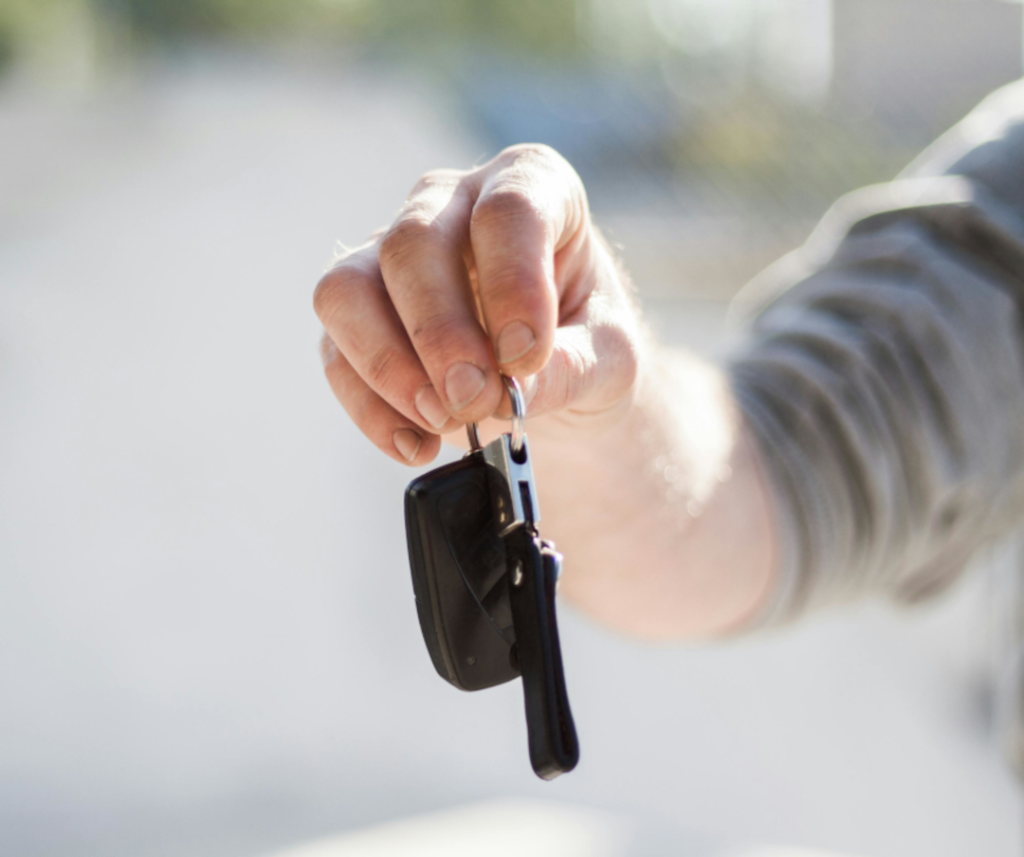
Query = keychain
x=485 y=583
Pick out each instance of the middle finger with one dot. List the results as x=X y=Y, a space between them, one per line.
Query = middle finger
x=424 y=269
x=358 y=316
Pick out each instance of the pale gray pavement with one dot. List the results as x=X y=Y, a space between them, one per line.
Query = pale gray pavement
x=207 y=638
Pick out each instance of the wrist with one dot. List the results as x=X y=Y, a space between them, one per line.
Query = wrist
x=663 y=506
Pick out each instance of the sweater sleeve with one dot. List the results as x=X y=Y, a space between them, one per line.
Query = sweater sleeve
x=883 y=376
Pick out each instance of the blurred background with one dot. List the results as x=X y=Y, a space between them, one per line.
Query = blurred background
x=208 y=644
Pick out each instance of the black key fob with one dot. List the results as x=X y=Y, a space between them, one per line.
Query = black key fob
x=458 y=575
x=485 y=584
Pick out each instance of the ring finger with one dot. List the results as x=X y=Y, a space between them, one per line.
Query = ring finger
x=390 y=431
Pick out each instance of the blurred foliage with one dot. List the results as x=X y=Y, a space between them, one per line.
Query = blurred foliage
x=175 y=19
x=712 y=121
x=545 y=27
x=410 y=27
x=7 y=47
x=758 y=144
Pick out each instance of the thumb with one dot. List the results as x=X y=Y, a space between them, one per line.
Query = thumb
x=592 y=369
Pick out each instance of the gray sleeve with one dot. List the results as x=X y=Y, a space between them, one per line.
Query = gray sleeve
x=884 y=374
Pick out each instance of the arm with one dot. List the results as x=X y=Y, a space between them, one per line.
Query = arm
x=881 y=393
x=664 y=513
x=884 y=377
x=867 y=439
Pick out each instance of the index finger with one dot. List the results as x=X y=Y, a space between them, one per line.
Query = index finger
x=530 y=207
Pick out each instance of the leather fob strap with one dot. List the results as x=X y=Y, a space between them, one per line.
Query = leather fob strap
x=554 y=748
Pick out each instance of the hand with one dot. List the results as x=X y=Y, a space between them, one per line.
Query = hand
x=499 y=270
x=490 y=271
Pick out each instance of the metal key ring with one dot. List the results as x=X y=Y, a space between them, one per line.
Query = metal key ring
x=473 y=433
x=515 y=396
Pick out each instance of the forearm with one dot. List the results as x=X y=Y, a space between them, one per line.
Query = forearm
x=866 y=440
x=663 y=513
x=881 y=397
x=885 y=381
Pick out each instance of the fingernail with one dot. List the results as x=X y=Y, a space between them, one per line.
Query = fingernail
x=407 y=442
x=462 y=384
x=514 y=341
x=429 y=404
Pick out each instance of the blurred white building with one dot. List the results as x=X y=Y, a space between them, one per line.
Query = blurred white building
x=919 y=65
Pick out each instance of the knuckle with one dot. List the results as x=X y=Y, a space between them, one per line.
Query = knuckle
x=516 y=291
x=382 y=366
x=509 y=203
x=538 y=153
x=436 y=178
x=329 y=294
x=362 y=409
x=436 y=334
x=520 y=280
x=533 y=160
x=405 y=238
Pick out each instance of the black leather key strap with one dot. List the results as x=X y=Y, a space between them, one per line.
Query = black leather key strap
x=533 y=574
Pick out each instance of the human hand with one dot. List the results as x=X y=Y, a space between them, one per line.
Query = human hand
x=490 y=271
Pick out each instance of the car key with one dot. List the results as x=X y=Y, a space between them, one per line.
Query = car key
x=485 y=584
x=458 y=575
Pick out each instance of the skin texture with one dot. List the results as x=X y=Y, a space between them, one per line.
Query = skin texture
x=648 y=480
